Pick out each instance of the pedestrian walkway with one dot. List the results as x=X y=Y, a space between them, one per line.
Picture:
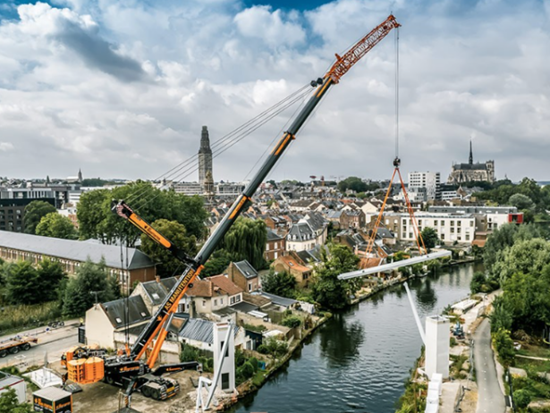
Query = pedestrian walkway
x=490 y=396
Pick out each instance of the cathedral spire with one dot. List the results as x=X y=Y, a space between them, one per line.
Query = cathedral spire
x=471 y=159
x=205 y=157
x=205 y=141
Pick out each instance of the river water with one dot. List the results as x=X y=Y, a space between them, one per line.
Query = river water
x=358 y=361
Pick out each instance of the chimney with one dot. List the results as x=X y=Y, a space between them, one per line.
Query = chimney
x=157 y=278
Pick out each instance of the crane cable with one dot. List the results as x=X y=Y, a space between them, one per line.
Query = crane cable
x=190 y=165
x=417 y=235
x=193 y=166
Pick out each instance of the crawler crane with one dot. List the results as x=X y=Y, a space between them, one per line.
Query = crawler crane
x=130 y=370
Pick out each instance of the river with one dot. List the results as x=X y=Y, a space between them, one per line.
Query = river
x=359 y=360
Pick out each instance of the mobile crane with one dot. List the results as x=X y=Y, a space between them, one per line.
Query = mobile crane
x=129 y=370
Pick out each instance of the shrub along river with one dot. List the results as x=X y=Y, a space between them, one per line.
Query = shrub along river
x=359 y=360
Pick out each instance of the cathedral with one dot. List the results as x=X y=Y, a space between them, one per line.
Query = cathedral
x=468 y=172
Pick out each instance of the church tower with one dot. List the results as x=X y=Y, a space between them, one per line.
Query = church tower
x=471 y=159
x=80 y=175
x=205 y=157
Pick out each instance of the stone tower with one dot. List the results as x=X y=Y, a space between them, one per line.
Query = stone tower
x=205 y=157
x=471 y=159
x=80 y=175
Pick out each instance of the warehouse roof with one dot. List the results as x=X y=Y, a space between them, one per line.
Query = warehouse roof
x=74 y=250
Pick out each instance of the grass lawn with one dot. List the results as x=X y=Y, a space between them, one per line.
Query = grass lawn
x=534 y=351
x=539 y=366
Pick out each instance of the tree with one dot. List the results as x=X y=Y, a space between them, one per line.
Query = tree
x=34 y=213
x=521 y=201
x=505 y=237
x=522 y=398
x=96 y=220
x=504 y=345
x=10 y=404
x=280 y=283
x=429 y=236
x=527 y=257
x=56 y=226
x=328 y=290
x=167 y=264
x=246 y=240
x=217 y=263
x=22 y=283
x=80 y=295
x=477 y=282
x=527 y=298
x=353 y=183
x=501 y=317
x=50 y=275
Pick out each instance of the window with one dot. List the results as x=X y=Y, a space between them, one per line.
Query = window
x=419 y=222
x=467 y=237
x=442 y=223
x=275 y=256
x=275 y=246
x=225 y=381
x=458 y=230
x=452 y=230
x=458 y=223
x=249 y=287
x=215 y=302
x=435 y=222
x=471 y=223
x=410 y=235
x=267 y=246
x=459 y=238
x=442 y=236
x=452 y=223
x=204 y=303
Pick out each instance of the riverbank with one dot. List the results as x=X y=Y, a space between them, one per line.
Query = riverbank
x=460 y=390
x=360 y=357
x=252 y=386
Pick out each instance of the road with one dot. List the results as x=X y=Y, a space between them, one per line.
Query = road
x=53 y=344
x=490 y=397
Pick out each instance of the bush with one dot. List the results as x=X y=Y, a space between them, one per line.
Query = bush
x=292 y=321
x=262 y=349
x=254 y=362
x=504 y=346
x=522 y=398
x=189 y=353
x=28 y=316
x=247 y=370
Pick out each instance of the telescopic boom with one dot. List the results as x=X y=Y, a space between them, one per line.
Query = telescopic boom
x=341 y=66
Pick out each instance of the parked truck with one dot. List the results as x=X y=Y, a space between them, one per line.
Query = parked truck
x=16 y=344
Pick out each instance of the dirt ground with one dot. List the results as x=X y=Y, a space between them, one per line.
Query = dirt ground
x=101 y=397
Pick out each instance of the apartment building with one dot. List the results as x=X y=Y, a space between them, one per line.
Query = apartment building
x=429 y=180
x=449 y=227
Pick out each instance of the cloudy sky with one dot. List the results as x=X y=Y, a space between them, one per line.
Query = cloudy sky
x=122 y=88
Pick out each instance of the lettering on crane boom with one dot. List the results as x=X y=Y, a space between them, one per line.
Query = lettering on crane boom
x=188 y=277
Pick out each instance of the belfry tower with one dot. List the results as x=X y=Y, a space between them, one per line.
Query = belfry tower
x=205 y=157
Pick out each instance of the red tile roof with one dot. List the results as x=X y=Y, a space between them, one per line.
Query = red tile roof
x=225 y=284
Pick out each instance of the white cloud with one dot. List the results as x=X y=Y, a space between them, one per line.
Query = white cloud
x=112 y=87
x=6 y=146
x=260 y=22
